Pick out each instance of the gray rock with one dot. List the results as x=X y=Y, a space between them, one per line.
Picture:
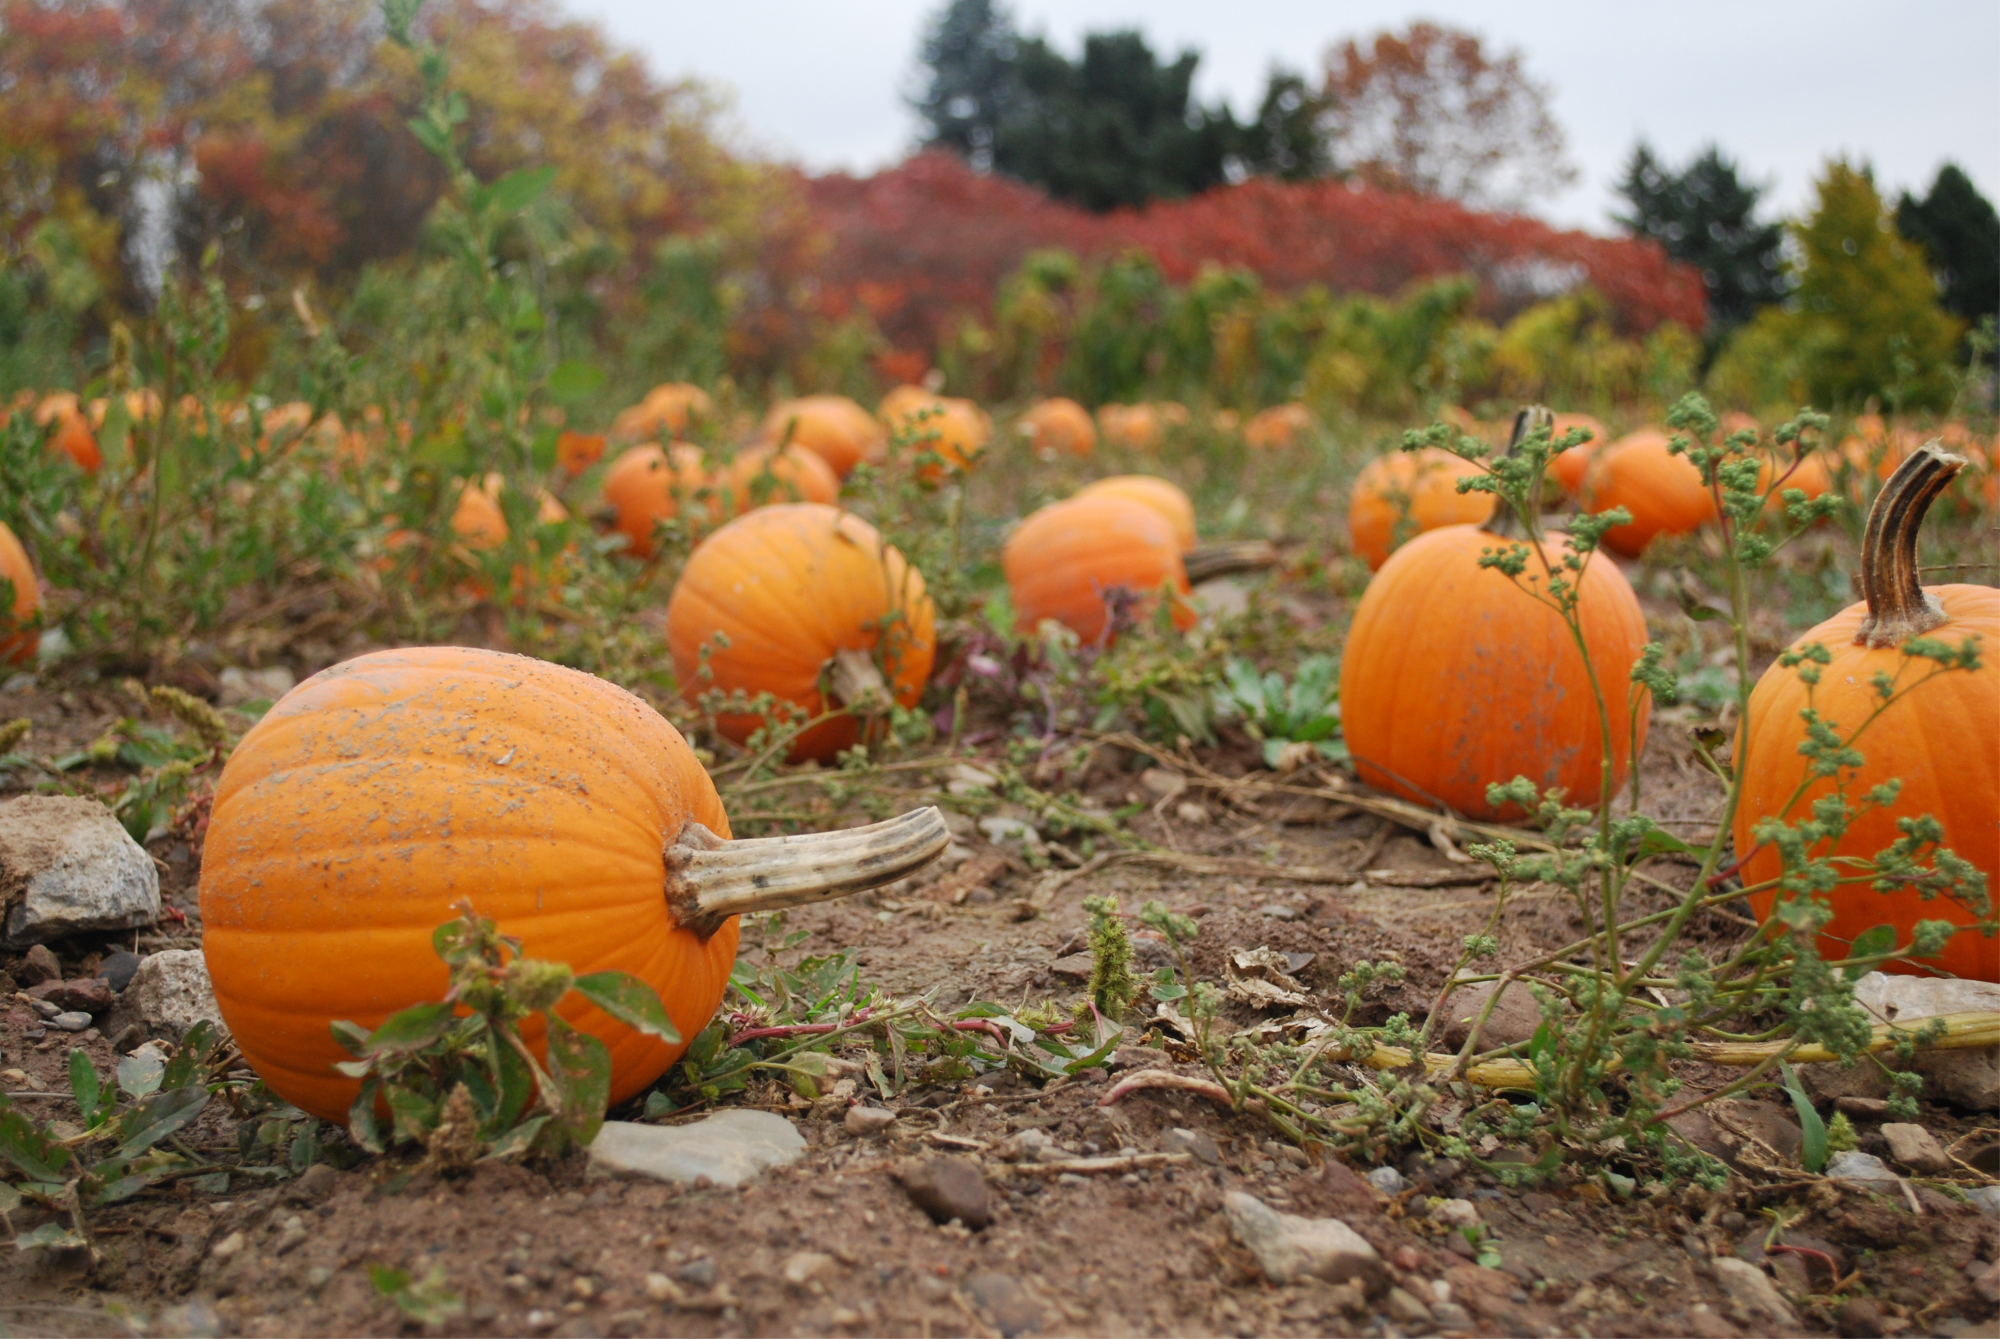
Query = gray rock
x=1076 y=966
x=868 y=1120
x=1752 y=1291
x=1194 y=1143
x=1001 y=1296
x=67 y=867
x=116 y=971
x=948 y=1188
x=1966 y=1078
x=38 y=967
x=1514 y=1018
x=802 y=1267
x=700 y=1273
x=1405 y=1309
x=1742 y=1134
x=1455 y=1213
x=1387 y=1180
x=75 y=1021
x=1853 y=1166
x=1986 y=1199
x=729 y=1148
x=315 y=1183
x=1278 y=911
x=1916 y=1148
x=238 y=686
x=85 y=994
x=1289 y=1247
x=169 y=994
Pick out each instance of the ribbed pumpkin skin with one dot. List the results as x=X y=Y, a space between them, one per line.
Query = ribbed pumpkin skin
x=1453 y=677
x=1942 y=741
x=796 y=475
x=376 y=794
x=788 y=586
x=833 y=427
x=1156 y=493
x=1663 y=491
x=1063 y=559
x=1429 y=479
x=18 y=647
x=1059 y=427
x=645 y=485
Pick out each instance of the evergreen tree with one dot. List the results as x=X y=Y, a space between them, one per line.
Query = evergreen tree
x=1960 y=235
x=971 y=51
x=1706 y=215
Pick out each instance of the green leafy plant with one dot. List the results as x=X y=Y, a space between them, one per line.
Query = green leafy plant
x=456 y=1077
x=1303 y=716
x=427 y=1301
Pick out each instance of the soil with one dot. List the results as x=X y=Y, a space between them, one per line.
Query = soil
x=833 y=1244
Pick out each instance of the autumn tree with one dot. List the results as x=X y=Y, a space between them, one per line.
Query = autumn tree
x=1706 y=215
x=1960 y=235
x=1433 y=110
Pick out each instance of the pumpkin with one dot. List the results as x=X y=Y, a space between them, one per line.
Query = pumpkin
x=763 y=474
x=1077 y=561
x=1136 y=427
x=1403 y=494
x=476 y=518
x=1940 y=738
x=1810 y=475
x=1156 y=493
x=1663 y=491
x=1454 y=677
x=903 y=401
x=72 y=436
x=1278 y=427
x=955 y=430
x=1569 y=466
x=666 y=411
x=839 y=431
x=18 y=638
x=1059 y=427
x=815 y=608
x=578 y=451
x=646 y=485
x=376 y=794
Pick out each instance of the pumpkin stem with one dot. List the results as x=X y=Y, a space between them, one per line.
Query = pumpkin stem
x=709 y=879
x=1899 y=608
x=855 y=682
x=1531 y=416
x=1220 y=560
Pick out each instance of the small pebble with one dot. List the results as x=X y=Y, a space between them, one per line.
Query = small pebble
x=1192 y=1142
x=697 y=1273
x=228 y=1246
x=948 y=1188
x=1455 y=1213
x=1278 y=911
x=118 y=970
x=868 y=1120
x=1387 y=1180
x=71 y=1022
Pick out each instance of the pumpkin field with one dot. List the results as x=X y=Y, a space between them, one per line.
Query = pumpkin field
x=1192 y=800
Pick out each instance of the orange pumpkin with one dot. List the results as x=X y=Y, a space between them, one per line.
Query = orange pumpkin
x=1156 y=493
x=1136 y=427
x=1663 y=491
x=1810 y=476
x=73 y=436
x=1569 y=466
x=953 y=429
x=1941 y=738
x=761 y=475
x=1278 y=427
x=1059 y=427
x=646 y=485
x=812 y=606
x=578 y=451
x=18 y=639
x=376 y=794
x=839 y=431
x=1454 y=677
x=1402 y=494
x=666 y=411
x=477 y=519
x=1076 y=561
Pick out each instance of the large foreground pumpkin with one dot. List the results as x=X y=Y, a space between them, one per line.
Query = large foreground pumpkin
x=378 y=793
x=1076 y=561
x=810 y=604
x=1404 y=493
x=1941 y=739
x=18 y=642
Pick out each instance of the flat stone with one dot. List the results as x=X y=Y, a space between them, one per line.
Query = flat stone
x=700 y=1273
x=947 y=1188
x=1916 y=1148
x=1752 y=1291
x=117 y=970
x=38 y=967
x=1387 y=1180
x=868 y=1120
x=169 y=994
x=964 y=779
x=87 y=994
x=1456 y=1213
x=67 y=867
x=71 y=1022
x=1289 y=1248
x=237 y=686
x=1742 y=1134
x=729 y=1148
x=1853 y=1166
x=1986 y=1199
x=1514 y=1018
x=1965 y=1078
x=1001 y=1296
x=802 y=1267
x=1194 y=1143
x=1137 y=1057
x=1163 y=783
x=1405 y=1309
x=1278 y=911
x=1075 y=966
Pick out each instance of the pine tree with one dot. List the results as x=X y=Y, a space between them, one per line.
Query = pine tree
x=1706 y=215
x=1960 y=235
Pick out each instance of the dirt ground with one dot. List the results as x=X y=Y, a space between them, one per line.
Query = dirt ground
x=834 y=1245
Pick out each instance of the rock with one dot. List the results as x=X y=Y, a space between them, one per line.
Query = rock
x=1031 y=1145
x=1986 y=1199
x=1514 y=1018
x=1278 y=911
x=964 y=779
x=1967 y=1078
x=1752 y=1291
x=71 y=1022
x=1076 y=967
x=1194 y=815
x=38 y=967
x=1862 y=1108
x=1986 y=1282
x=1916 y=1148
x=1289 y=1248
x=1194 y=1143
x=659 y=1288
x=868 y=1120
x=1852 y=1166
x=169 y=994
x=1859 y=1318
x=1005 y=1302
x=228 y=1246
x=1136 y=1057
x=293 y=1235
x=729 y=1148
x=948 y=1188
x=86 y=994
x=1755 y=1132
x=238 y=686
x=1162 y=783
x=315 y=1183
x=1387 y=1180
x=1405 y=1309
x=1003 y=828
x=117 y=969
x=700 y=1273
x=67 y=867
x=1455 y=1213
x=802 y=1267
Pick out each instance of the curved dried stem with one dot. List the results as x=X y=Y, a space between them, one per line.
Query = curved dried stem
x=1899 y=608
x=1530 y=417
x=1220 y=560
x=710 y=879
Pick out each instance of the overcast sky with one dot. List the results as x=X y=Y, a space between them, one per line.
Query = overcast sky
x=1781 y=84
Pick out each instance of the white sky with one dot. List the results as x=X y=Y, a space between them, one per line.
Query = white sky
x=1781 y=84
